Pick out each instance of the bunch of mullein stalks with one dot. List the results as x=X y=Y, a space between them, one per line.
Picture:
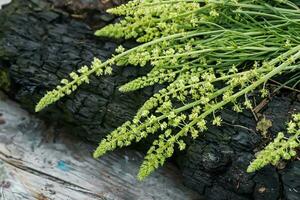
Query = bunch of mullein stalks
x=208 y=54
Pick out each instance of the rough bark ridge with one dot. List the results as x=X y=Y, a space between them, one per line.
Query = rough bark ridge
x=40 y=46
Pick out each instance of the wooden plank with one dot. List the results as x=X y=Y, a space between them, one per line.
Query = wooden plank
x=3 y=2
x=40 y=162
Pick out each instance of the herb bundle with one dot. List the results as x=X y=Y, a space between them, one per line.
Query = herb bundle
x=209 y=53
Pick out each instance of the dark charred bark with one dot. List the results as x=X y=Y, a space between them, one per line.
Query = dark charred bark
x=216 y=164
x=41 y=46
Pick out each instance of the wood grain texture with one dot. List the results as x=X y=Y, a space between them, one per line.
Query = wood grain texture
x=39 y=162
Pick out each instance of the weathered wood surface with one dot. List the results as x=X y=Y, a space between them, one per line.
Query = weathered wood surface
x=2 y=2
x=37 y=162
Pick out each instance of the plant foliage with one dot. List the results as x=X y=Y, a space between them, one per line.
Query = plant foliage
x=283 y=147
x=208 y=53
x=4 y=79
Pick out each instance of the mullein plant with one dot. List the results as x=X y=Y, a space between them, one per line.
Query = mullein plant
x=208 y=53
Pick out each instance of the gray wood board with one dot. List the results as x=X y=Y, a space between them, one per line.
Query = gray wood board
x=39 y=162
x=3 y=2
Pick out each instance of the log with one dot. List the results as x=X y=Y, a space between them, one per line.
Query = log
x=41 y=42
x=41 y=46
